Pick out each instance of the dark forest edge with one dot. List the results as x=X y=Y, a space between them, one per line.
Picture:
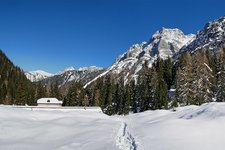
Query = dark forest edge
x=198 y=78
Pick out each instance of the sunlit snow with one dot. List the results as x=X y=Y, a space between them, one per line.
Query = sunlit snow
x=190 y=127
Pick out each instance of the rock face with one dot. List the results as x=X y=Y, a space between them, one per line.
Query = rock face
x=35 y=76
x=211 y=37
x=164 y=43
x=83 y=75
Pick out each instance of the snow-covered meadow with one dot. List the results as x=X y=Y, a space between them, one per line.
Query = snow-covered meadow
x=190 y=127
x=42 y=129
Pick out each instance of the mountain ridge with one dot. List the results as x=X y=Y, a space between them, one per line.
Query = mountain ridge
x=38 y=75
x=211 y=36
x=163 y=44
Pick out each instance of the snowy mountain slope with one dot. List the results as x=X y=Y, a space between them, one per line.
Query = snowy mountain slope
x=163 y=44
x=67 y=69
x=189 y=127
x=211 y=37
x=38 y=75
x=90 y=68
x=70 y=74
x=170 y=41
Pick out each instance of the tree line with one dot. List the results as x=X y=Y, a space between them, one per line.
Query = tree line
x=148 y=92
x=196 y=77
x=16 y=89
x=201 y=77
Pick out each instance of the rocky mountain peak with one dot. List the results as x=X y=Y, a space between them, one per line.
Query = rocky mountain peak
x=68 y=74
x=166 y=32
x=164 y=43
x=69 y=69
x=90 y=68
x=210 y=37
x=35 y=76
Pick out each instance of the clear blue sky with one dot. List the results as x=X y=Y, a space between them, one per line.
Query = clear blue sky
x=54 y=34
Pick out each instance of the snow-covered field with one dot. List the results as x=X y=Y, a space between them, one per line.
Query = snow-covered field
x=40 y=129
x=188 y=128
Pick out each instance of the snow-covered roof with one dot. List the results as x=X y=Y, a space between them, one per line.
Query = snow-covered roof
x=49 y=100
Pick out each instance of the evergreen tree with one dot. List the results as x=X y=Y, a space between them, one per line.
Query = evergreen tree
x=40 y=91
x=127 y=98
x=174 y=102
x=133 y=96
x=145 y=88
x=73 y=96
x=108 y=95
x=184 y=80
x=220 y=95
x=54 y=90
x=119 y=90
x=15 y=87
x=204 y=80
x=168 y=72
x=160 y=98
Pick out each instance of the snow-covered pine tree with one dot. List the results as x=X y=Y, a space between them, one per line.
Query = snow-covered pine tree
x=203 y=84
x=184 y=80
x=220 y=95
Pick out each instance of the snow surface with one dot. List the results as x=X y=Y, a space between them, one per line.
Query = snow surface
x=190 y=127
x=51 y=100
x=37 y=75
x=210 y=37
x=90 y=68
x=43 y=129
x=68 y=73
x=71 y=68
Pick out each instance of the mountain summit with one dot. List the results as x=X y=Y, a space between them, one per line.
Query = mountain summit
x=35 y=76
x=211 y=37
x=164 y=43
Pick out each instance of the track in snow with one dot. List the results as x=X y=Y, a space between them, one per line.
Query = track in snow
x=124 y=140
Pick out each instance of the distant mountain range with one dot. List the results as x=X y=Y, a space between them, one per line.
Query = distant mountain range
x=38 y=75
x=196 y=75
x=69 y=75
x=163 y=44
